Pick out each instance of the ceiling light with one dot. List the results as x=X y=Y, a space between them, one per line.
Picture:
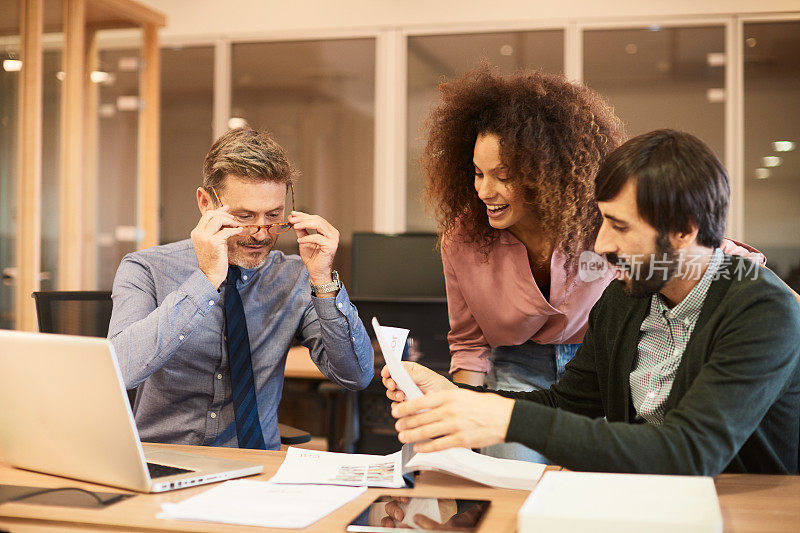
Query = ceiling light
x=715 y=95
x=107 y=110
x=762 y=173
x=12 y=65
x=236 y=122
x=771 y=161
x=783 y=146
x=506 y=50
x=98 y=76
x=715 y=59
x=631 y=48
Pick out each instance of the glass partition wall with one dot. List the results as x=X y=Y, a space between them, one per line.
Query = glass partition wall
x=662 y=77
x=433 y=59
x=771 y=177
x=318 y=100
x=9 y=116
x=318 y=97
x=187 y=97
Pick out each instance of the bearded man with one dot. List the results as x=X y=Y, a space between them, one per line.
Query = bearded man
x=690 y=363
x=202 y=326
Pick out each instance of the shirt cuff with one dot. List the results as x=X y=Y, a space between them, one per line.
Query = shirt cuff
x=201 y=291
x=530 y=425
x=475 y=360
x=332 y=308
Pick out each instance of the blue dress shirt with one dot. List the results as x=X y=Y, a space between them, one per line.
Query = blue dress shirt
x=167 y=329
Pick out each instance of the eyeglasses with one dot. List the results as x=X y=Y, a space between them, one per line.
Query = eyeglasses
x=273 y=229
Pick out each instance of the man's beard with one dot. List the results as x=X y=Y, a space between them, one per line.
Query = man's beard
x=244 y=258
x=648 y=277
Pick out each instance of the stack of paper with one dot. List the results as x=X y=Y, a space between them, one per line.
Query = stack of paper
x=500 y=473
x=329 y=468
x=257 y=503
x=621 y=503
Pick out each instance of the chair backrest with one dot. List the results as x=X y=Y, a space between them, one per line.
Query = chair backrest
x=84 y=313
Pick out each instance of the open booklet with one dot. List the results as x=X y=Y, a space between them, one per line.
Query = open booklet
x=309 y=466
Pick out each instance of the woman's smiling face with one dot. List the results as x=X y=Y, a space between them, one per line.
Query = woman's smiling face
x=505 y=206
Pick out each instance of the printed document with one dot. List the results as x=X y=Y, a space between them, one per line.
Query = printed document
x=258 y=503
x=392 y=342
x=330 y=468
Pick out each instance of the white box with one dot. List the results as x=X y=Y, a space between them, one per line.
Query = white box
x=577 y=502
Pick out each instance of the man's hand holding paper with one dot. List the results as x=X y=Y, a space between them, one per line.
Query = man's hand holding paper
x=424 y=378
x=453 y=418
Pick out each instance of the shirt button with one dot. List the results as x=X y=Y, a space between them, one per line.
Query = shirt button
x=181 y=337
x=650 y=395
x=213 y=415
x=219 y=376
x=211 y=302
x=244 y=277
x=353 y=339
x=339 y=305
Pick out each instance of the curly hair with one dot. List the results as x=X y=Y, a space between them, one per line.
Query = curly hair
x=553 y=136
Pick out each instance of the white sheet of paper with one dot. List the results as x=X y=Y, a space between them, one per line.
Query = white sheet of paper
x=621 y=503
x=330 y=468
x=392 y=342
x=258 y=503
x=492 y=471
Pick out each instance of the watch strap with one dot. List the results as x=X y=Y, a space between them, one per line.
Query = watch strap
x=325 y=288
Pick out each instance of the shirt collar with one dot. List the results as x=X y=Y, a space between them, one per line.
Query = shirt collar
x=689 y=308
x=246 y=275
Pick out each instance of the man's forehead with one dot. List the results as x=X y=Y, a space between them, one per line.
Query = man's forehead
x=623 y=206
x=254 y=195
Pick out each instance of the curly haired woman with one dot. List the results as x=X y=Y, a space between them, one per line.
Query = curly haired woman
x=510 y=164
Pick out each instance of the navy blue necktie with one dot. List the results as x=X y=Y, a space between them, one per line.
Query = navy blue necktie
x=245 y=407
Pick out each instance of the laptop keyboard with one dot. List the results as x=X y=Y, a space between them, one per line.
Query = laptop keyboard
x=157 y=471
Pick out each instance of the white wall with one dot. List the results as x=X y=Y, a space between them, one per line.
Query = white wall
x=215 y=17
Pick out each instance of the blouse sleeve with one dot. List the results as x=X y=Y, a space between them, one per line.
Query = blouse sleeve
x=731 y=247
x=469 y=349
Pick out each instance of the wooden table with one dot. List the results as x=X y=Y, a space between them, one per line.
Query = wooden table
x=749 y=502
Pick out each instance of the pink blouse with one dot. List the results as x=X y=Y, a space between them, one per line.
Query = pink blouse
x=498 y=303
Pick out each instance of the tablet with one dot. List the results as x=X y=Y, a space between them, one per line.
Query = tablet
x=388 y=513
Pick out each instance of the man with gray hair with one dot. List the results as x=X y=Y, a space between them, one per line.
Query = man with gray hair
x=202 y=326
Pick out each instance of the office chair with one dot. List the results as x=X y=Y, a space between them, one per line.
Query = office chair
x=88 y=313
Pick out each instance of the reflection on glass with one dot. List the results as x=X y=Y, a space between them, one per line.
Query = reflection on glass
x=187 y=99
x=318 y=100
x=118 y=117
x=51 y=158
x=435 y=58
x=662 y=78
x=772 y=136
x=9 y=116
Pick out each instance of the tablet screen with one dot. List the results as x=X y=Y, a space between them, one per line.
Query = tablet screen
x=388 y=513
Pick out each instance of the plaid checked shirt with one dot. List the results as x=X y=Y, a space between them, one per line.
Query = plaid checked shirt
x=663 y=337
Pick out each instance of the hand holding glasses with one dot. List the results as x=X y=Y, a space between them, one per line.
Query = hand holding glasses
x=273 y=229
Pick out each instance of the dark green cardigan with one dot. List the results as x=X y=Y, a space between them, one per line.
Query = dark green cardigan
x=734 y=404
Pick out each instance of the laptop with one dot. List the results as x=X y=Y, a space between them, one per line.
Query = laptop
x=66 y=412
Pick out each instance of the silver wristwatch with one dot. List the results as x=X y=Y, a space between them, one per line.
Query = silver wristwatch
x=325 y=288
